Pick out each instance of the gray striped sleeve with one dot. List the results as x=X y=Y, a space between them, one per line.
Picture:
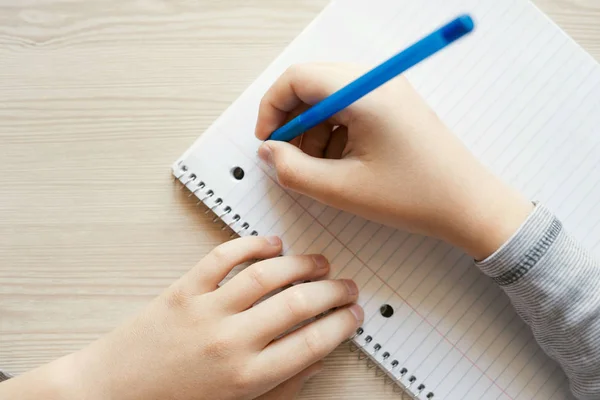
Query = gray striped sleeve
x=554 y=284
x=4 y=376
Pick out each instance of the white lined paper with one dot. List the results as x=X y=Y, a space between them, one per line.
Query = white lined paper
x=524 y=98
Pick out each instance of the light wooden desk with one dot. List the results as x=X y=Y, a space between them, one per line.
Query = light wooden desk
x=97 y=98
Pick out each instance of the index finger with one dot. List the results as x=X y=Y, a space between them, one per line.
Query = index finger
x=301 y=84
x=211 y=270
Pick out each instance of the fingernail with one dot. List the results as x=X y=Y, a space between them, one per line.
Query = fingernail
x=265 y=154
x=351 y=286
x=274 y=241
x=320 y=261
x=358 y=313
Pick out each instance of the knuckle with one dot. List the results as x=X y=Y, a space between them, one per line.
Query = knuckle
x=315 y=346
x=287 y=174
x=219 y=254
x=264 y=102
x=293 y=70
x=258 y=276
x=243 y=379
x=350 y=114
x=297 y=303
x=218 y=348
x=177 y=298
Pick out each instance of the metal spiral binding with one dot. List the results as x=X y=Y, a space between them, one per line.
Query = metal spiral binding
x=206 y=195
x=395 y=375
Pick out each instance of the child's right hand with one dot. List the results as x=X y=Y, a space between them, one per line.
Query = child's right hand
x=390 y=160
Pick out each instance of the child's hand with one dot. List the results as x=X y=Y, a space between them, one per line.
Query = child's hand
x=390 y=160
x=198 y=341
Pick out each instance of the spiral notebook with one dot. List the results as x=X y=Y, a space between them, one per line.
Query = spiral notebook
x=522 y=96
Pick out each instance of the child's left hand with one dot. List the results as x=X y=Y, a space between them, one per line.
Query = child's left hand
x=199 y=341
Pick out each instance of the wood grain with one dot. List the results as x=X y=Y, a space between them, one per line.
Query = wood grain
x=97 y=98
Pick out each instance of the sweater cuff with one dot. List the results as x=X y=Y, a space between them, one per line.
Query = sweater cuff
x=4 y=376
x=520 y=254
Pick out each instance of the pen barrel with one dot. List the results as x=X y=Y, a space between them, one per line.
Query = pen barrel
x=373 y=79
x=376 y=77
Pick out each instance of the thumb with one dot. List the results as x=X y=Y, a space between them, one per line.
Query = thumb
x=315 y=177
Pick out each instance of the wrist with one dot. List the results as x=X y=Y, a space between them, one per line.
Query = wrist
x=53 y=381
x=489 y=216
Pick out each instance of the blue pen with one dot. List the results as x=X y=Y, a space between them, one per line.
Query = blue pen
x=370 y=81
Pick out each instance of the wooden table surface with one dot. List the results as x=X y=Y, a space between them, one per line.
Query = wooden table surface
x=97 y=98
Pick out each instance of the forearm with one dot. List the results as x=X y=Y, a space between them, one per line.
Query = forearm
x=554 y=284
